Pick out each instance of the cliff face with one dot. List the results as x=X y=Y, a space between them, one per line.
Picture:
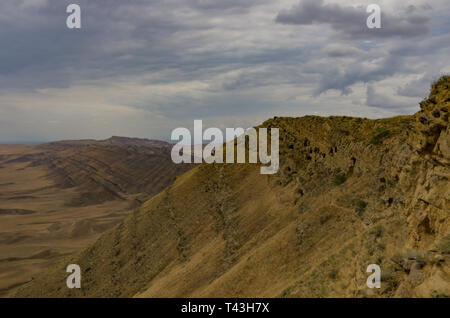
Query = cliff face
x=350 y=192
x=427 y=176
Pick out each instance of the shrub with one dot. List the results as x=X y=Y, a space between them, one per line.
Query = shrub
x=303 y=207
x=325 y=218
x=406 y=259
x=339 y=179
x=361 y=206
x=377 y=231
x=333 y=274
x=388 y=278
x=378 y=138
x=397 y=258
x=444 y=245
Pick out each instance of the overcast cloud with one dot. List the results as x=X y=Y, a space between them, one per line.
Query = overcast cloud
x=141 y=68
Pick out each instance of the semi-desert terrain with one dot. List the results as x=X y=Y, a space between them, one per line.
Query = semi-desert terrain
x=350 y=192
x=57 y=198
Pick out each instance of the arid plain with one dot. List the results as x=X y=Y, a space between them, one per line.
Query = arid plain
x=57 y=198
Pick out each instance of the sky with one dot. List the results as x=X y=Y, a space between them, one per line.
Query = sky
x=141 y=68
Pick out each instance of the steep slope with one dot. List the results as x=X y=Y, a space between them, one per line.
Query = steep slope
x=57 y=198
x=350 y=192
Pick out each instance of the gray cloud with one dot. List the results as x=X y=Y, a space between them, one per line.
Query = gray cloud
x=342 y=51
x=350 y=22
x=383 y=100
x=141 y=67
x=417 y=87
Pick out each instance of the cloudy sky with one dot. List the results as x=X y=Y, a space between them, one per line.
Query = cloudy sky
x=141 y=68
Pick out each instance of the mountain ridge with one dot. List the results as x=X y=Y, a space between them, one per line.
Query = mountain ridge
x=350 y=192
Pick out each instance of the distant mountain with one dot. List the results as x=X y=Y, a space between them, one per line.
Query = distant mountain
x=350 y=192
x=105 y=170
x=140 y=144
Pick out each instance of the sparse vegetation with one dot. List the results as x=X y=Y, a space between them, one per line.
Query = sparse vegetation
x=378 y=138
x=339 y=179
x=333 y=274
x=406 y=259
x=286 y=292
x=377 y=231
x=325 y=218
x=440 y=294
x=361 y=207
x=397 y=258
x=444 y=245
x=388 y=278
x=303 y=207
x=299 y=233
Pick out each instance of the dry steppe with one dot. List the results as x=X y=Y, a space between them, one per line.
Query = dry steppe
x=57 y=198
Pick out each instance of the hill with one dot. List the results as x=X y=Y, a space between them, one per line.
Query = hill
x=350 y=192
x=57 y=198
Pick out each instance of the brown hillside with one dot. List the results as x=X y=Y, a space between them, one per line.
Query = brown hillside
x=57 y=198
x=350 y=192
